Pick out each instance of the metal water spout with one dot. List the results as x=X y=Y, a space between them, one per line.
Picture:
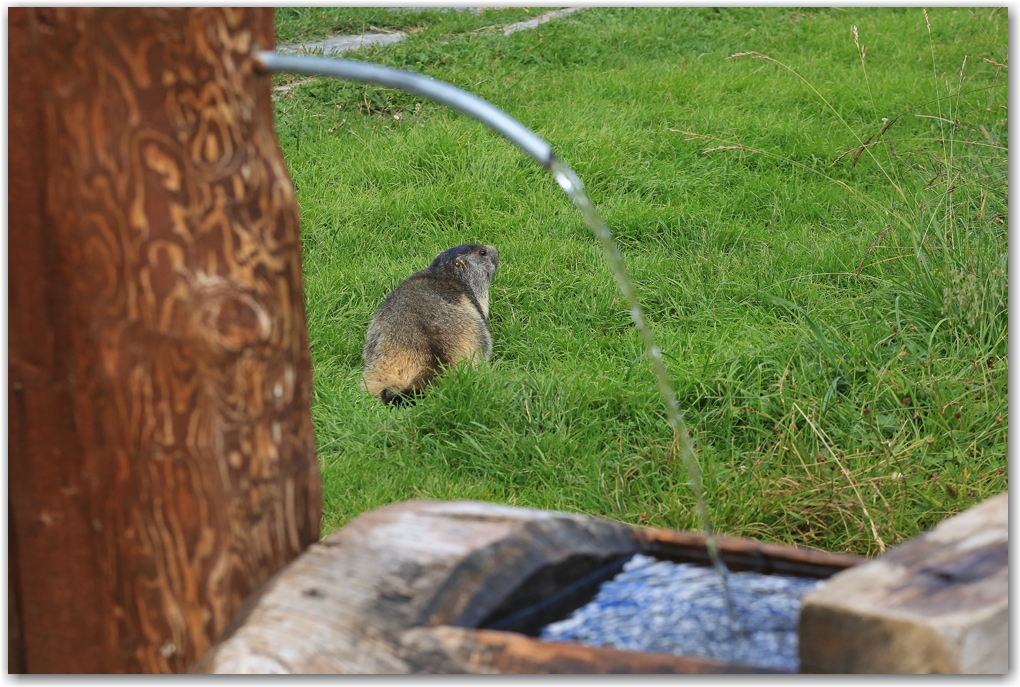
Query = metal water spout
x=427 y=87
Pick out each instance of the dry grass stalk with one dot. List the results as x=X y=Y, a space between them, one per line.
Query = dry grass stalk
x=872 y=140
x=849 y=478
x=712 y=150
x=863 y=51
x=691 y=136
x=873 y=243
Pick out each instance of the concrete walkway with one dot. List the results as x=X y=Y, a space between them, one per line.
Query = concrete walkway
x=336 y=45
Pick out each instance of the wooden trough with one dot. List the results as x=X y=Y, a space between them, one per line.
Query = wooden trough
x=464 y=587
x=411 y=588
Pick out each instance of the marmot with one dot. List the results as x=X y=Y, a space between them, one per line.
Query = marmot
x=436 y=317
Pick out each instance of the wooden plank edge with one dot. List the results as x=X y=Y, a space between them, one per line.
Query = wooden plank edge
x=454 y=649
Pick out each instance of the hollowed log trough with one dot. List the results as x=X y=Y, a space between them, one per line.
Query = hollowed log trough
x=417 y=588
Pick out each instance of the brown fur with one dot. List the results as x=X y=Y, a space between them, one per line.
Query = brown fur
x=436 y=317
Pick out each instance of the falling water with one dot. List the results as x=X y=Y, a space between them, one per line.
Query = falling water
x=570 y=183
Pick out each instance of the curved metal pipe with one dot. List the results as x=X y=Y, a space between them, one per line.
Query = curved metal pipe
x=425 y=86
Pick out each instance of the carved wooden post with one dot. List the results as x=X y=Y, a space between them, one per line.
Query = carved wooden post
x=162 y=462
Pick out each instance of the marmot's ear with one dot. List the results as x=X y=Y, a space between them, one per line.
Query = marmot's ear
x=459 y=262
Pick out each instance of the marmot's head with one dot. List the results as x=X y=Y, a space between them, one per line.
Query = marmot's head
x=474 y=264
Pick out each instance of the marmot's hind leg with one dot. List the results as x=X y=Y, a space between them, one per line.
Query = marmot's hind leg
x=397 y=398
x=408 y=396
x=397 y=377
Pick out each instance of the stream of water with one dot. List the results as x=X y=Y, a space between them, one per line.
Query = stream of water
x=570 y=183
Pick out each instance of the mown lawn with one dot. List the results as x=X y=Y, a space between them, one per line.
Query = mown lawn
x=834 y=322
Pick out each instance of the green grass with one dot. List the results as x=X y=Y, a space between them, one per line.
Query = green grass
x=837 y=334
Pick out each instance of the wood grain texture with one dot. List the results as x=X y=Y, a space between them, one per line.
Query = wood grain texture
x=51 y=561
x=345 y=604
x=164 y=439
x=458 y=650
x=937 y=603
x=742 y=554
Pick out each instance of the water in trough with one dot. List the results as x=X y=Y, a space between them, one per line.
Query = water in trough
x=663 y=607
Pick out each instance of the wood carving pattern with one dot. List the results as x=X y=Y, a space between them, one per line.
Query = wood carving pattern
x=178 y=237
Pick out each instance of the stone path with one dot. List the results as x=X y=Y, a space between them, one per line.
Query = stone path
x=341 y=44
x=336 y=45
x=532 y=23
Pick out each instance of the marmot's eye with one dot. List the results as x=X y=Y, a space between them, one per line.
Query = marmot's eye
x=483 y=252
